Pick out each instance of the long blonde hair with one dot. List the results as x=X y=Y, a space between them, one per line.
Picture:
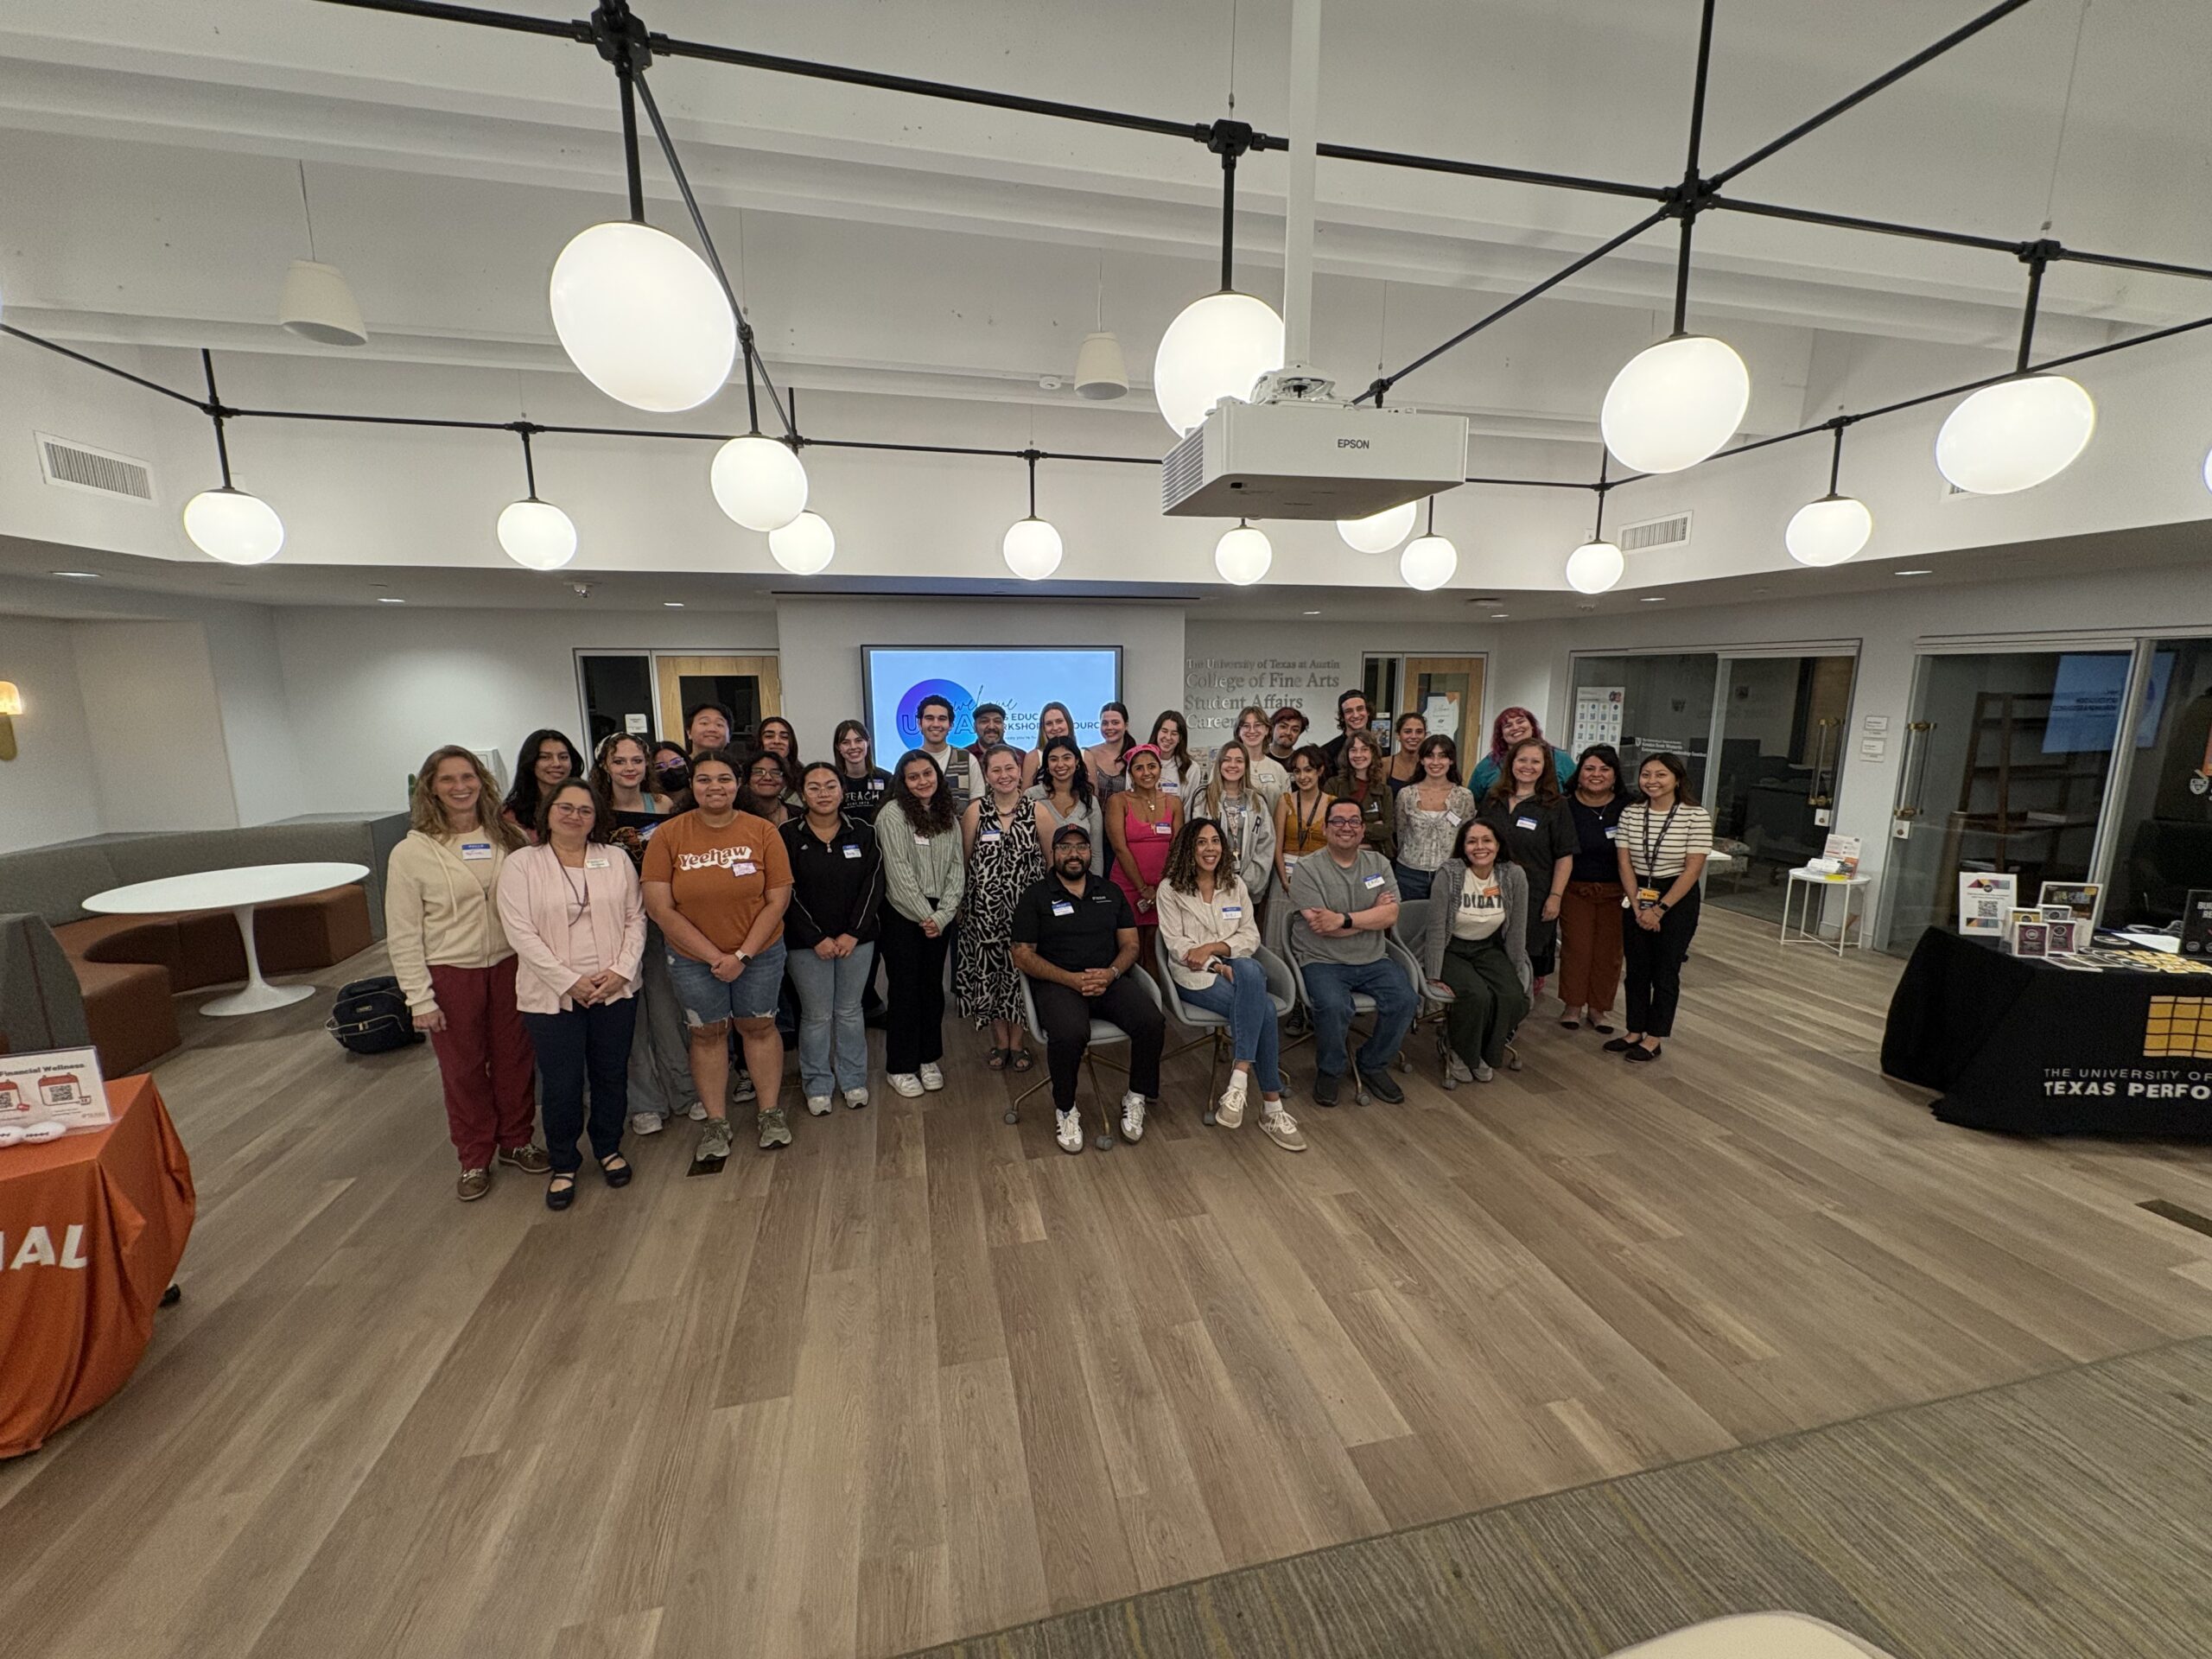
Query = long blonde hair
x=1212 y=796
x=427 y=813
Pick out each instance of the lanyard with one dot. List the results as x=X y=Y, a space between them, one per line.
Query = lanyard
x=1298 y=815
x=579 y=890
x=1650 y=860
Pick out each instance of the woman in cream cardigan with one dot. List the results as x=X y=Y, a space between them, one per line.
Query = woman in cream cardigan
x=454 y=964
x=575 y=916
x=1476 y=948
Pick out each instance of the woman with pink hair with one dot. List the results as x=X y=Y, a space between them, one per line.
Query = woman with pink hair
x=1512 y=726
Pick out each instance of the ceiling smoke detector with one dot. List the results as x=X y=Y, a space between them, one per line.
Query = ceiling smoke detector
x=581 y=589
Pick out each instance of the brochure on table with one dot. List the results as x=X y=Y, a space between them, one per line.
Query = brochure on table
x=1986 y=903
x=2079 y=897
x=2196 y=922
x=51 y=1091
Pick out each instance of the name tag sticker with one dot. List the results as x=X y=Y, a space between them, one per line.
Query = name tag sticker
x=596 y=861
x=1232 y=912
x=1063 y=907
x=921 y=840
x=989 y=835
x=1612 y=832
x=852 y=852
x=1163 y=829
x=1526 y=823
x=744 y=870
x=1373 y=881
x=473 y=851
x=1290 y=860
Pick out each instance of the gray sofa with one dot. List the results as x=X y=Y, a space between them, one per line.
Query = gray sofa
x=118 y=974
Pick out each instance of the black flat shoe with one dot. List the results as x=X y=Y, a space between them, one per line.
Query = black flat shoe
x=1617 y=1045
x=1570 y=1024
x=1638 y=1051
x=1600 y=1026
x=560 y=1190
x=616 y=1168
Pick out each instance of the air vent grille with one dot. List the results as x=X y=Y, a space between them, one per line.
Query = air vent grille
x=72 y=465
x=1672 y=531
x=1182 y=469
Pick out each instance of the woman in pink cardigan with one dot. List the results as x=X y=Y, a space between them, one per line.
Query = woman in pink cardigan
x=575 y=916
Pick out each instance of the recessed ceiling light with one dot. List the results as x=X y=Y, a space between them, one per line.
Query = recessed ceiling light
x=1497 y=616
x=1654 y=599
x=78 y=575
x=389 y=600
x=1309 y=613
x=671 y=604
x=1915 y=573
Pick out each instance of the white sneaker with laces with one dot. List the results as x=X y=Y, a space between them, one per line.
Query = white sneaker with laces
x=741 y=1092
x=818 y=1105
x=855 y=1098
x=1069 y=1130
x=1457 y=1068
x=1484 y=1073
x=932 y=1079
x=645 y=1123
x=696 y=1111
x=1229 y=1112
x=1132 y=1116
x=1281 y=1128
x=905 y=1083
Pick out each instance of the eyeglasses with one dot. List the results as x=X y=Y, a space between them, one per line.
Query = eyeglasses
x=564 y=809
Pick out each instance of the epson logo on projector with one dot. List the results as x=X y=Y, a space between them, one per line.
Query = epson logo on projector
x=1353 y=443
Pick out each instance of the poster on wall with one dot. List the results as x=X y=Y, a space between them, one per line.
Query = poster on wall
x=1986 y=901
x=50 y=1092
x=1597 y=715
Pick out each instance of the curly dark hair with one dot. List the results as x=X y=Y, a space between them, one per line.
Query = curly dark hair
x=933 y=817
x=1182 y=871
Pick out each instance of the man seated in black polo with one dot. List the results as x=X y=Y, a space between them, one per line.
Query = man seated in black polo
x=1075 y=938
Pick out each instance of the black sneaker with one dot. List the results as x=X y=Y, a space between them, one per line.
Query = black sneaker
x=1383 y=1087
x=1325 y=1088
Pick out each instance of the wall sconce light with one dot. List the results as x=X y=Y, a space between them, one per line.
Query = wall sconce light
x=11 y=704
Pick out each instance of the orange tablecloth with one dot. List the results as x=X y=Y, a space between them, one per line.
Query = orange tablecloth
x=92 y=1227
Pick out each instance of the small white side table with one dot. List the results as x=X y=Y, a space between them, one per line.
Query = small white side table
x=238 y=891
x=1808 y=918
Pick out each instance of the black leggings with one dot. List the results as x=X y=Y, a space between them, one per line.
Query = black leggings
x=913 y=969
x=1653 y=963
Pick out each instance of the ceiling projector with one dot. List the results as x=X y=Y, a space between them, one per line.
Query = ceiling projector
x=1311 y=457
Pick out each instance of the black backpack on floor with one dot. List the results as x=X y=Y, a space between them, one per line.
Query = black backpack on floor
x=371 y=1017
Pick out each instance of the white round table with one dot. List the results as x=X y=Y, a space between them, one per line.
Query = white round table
x=238 y=891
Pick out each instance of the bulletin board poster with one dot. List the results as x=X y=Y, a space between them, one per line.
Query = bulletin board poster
x=53 y=1085
x=1597 y=715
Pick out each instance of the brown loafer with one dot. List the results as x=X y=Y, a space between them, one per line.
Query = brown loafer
x=531 y=1158
x=474 y=1183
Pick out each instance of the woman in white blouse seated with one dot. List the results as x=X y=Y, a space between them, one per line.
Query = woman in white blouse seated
x=1207 y=924
x=575 y=916
x=1476 y=948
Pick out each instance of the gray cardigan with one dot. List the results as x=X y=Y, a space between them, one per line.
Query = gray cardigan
x=1444 y=898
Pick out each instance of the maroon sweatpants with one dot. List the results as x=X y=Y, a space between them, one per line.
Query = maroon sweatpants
x=484 y=1055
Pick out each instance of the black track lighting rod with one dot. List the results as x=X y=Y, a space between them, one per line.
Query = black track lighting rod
x=216 y=413
x=60 y=350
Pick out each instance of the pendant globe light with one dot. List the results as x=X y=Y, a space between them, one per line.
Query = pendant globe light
x=1598 y=563
x=535 y=534
x=1243 y=554
x=643 y=317
x=226 y=523
x=1031 y=546
x=1833 y=529
x=1429 y=560
x=1379 y=531
x=805 y=546
x=758 y=480
x=2023 y=430
x=1220 y=345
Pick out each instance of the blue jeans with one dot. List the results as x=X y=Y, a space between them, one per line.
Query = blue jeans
x=1412 y=883
x=829 y=1016
x=707 y=1001
x=1243 y=1002
x=1330 y=985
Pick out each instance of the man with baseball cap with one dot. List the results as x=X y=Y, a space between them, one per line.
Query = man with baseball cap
x=1075 y=936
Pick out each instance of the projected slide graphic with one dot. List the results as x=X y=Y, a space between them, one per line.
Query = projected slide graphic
x=1020 y=678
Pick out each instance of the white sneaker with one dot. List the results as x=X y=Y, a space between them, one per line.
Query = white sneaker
x=696 y=1111
x=1281 y=1128
x=1456 y=1069
x=1132 y=1116
x=905 y=1083
x=1229 y=1112
x=644 y=1122
x=855 y=1098
x=818 y=1105
x=1069 y=1130
x=932 y=1079
x=1484 y=1073
x=740 y=1092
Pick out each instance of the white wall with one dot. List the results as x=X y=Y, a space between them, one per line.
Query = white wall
x=155 y=725
x=49 y=791
x=265 y=771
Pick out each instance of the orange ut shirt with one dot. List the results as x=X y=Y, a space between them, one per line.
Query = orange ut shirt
x=720 y=878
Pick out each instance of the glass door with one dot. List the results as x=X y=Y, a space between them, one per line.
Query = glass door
x=2161 y=844
x=1779 y=734
x=2004 y=768
x=1647 y=705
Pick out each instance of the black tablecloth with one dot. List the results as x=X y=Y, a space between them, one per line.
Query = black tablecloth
x=2018 y=1045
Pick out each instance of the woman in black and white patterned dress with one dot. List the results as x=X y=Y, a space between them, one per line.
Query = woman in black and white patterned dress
x=1006 y=834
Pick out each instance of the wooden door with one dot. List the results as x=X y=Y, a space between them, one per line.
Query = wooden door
x=670 y=673
x=1458 y=682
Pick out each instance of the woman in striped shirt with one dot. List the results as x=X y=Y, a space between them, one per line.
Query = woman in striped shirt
x=1662 y=843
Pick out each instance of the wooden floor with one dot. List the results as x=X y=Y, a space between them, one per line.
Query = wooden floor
x=921 y=1375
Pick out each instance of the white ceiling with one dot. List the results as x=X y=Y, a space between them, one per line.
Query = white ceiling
x=891 y=246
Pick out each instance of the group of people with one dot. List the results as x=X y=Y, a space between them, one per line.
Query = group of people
x=596 y=946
